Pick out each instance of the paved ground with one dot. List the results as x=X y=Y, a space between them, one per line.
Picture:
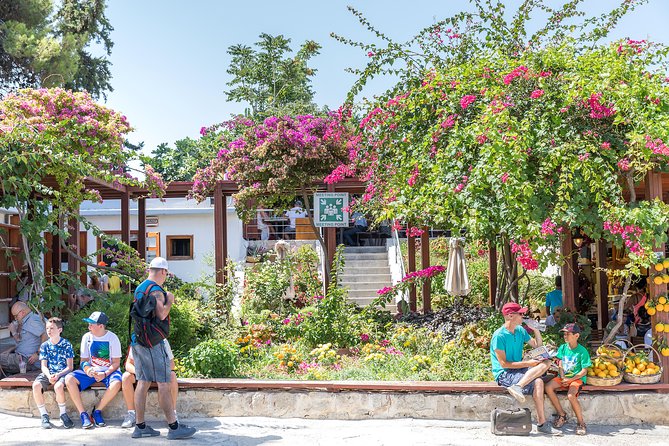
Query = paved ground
x=300 y=432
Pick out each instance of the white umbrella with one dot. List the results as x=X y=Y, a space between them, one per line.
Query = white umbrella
x=457 y=282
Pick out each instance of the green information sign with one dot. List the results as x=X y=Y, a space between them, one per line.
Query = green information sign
x=331 y=209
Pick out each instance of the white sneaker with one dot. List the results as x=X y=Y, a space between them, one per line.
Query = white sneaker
x=129 y=420
x=517 y=392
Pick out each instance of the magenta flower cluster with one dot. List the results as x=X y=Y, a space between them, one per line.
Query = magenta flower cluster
x=548 y=227
x=629 y=234
x=597 y=109
x=467 y=100
x=426 y=273
x=524 y=255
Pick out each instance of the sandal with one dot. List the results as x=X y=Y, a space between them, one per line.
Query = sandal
x=580 y=429
x=560 y=421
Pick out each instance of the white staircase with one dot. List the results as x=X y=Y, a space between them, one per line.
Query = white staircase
x=366 y=270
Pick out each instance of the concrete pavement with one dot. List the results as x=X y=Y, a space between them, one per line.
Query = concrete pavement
x=255 y=431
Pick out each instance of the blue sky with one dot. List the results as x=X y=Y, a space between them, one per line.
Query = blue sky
x=169 y=57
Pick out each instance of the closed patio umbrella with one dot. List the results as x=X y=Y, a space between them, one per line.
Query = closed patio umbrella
x=457 y=282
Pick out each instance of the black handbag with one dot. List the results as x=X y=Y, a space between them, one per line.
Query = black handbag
x=510 y=421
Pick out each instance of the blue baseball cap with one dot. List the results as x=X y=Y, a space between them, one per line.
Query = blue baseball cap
x=97 y=317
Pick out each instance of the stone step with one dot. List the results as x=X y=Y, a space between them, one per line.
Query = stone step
x=365 y=270
x=364 y=249
x=363 y=278
x=366 y=256
x=366 y=293
x=364 y=302
x=366 y=263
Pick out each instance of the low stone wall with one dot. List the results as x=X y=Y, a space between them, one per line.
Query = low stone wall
x=624 y=408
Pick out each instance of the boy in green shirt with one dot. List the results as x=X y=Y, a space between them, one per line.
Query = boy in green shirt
x=574 y=362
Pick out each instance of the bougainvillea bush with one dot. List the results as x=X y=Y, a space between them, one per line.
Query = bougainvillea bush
x=518 y=139
x=51 y=141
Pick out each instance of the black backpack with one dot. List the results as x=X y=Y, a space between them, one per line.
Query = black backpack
x=149 y=329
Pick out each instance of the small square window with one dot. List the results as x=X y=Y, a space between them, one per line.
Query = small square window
x=179 y=247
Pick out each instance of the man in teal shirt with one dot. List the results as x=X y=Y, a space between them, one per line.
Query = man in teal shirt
x=519 y=377
x=554 y=298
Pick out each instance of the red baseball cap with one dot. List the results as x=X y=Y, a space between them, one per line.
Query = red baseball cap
x=513 y=307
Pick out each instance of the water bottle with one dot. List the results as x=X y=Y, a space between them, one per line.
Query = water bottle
x=22 y=364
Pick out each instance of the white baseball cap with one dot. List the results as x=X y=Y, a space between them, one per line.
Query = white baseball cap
x=159 y=262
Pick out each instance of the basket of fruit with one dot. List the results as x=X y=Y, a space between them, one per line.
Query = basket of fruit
x=604 y=372
x=639 y=369
x=612 y=352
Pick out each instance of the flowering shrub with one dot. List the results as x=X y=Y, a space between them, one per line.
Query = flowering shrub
x=526 y=150
x=288 y=357
x=51 y=142
x=324 y=354
x=516 y=129
x=272 y=159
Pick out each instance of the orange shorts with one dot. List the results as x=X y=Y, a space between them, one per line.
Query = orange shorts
x=565 y=384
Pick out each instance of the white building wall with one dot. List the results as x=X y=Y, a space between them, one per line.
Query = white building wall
x=175 y=217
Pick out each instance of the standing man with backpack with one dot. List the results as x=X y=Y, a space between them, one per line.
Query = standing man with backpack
x=150 y=314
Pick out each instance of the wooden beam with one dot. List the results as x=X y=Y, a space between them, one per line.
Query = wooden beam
x=141 y=227
x=602 y=284
x=411 y=251
x=569 y=272
x=425 y=263
x=125 y=218
x=654 y=190
x=492 y=268
x=220 y=233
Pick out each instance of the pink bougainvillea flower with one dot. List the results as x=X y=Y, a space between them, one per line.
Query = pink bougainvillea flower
x=548 y=227
x=536 y=94
x=467 y=100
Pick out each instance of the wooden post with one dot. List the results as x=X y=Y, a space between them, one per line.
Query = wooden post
x=569 y=272
x=654 y=190
x=220 y=233
x=141 y=227
x=125 y=218
x=55 y=256
x=330 y=243
x=602 y=284
x=411 y=251
x=492 y=268
x=73 y=244
x=425 y=263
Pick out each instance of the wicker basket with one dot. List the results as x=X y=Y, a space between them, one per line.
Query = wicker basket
x=642 y=379
x=597 y=381
x=601 y=382
x=617 y=361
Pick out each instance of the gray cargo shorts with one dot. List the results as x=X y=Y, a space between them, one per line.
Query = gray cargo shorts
x=152 y=364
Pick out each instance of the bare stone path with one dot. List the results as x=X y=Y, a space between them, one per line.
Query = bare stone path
x=255 y=431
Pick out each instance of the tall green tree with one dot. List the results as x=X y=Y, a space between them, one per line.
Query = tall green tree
x=46 y=43
x=270 y=80
x=179 y=163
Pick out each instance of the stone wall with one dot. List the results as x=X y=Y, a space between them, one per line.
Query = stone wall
x=614 y=408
